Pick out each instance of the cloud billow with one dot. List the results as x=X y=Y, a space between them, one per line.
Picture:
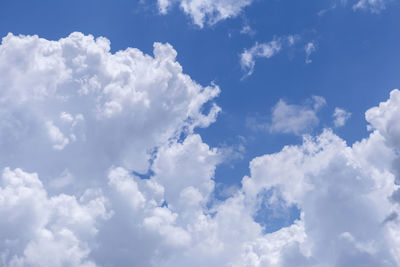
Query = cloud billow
x=77 y=122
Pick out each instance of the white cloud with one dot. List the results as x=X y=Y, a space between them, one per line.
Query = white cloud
x=163 y=6
x=265 y=50
x=340 y=117
x=309 y=48
x=71 y=111
x=246 y=29
x=296 y=119
x=81 y=108
x=127 y=112
x=385 y=119
x=37 y=230
x=342 y=195
x=374 y=6
x=206 y=11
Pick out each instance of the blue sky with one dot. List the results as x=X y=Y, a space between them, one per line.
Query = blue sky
x=354 y=65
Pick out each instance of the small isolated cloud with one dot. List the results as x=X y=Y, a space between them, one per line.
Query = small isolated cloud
x=340 y=117
x=309 y=48
x=374 y=6
x=322 y=12
x=296 y=119
x=206 y=11
x=265 y=50
x=163 y=6
x=269 y=49
x=246 y=29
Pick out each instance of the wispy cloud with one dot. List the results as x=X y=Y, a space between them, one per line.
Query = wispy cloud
x=206 y=12
x=340 y=117
x=309 y=49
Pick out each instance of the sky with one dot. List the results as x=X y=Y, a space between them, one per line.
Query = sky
x=199 y=133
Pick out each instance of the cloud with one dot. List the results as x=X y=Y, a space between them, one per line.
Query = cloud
x=206 y=11
x=38 y=230
x=296 y=119
x=309 y=49
x=384 y=118
x=71 y=111
x=87 y=109
x=246 y=29
x=127 y=113
x=342 y=196
x=374 y=6
x=340 y=117
x=265 y=50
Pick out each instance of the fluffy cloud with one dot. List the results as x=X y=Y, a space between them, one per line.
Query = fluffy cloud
x=71 y=111
x=340 y=117
x=88 y=122
x=206 y=11
x=83 y=109
x=297 y=119
x=385 y=119
x=38 y=230
x=344 y=200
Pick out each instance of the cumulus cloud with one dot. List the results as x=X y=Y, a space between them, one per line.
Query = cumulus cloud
x=206 y=11
x=127 y=113
x=296 y=119
x=38 y=230
x=87 y=109
x=71 y=110
x=340 y=117
x=385 y=118
x=343 y=200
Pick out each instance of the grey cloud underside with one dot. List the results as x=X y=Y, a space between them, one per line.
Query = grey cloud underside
x=77 y=121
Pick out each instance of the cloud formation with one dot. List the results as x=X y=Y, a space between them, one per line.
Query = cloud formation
x=374 y=6
x=77 y=115
x=340 y=117
x=206 y=11
x=78 y=125
x=296 y=119
x=309 y=49
x=265 y=50
x=38 y=230
x=269 y=49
